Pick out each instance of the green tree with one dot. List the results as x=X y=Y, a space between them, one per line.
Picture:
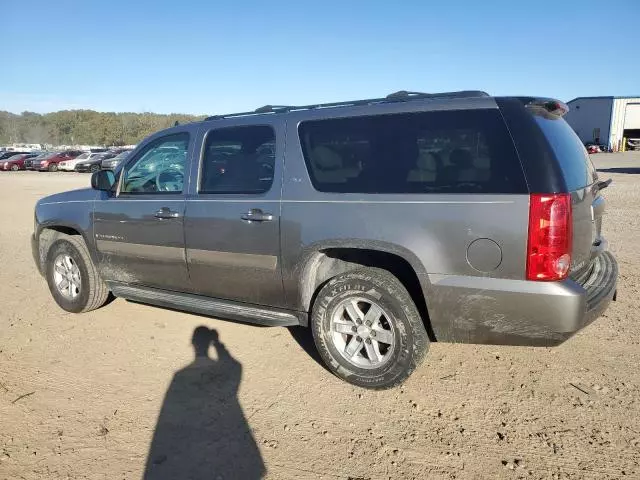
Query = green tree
x=84 y=127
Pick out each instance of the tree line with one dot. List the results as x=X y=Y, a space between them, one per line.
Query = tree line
x=84 y=127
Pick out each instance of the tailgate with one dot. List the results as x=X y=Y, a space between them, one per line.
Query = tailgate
x=587 y=207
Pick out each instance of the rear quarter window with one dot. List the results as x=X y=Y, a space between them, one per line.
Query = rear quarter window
x=574 y=161
x=461 y=151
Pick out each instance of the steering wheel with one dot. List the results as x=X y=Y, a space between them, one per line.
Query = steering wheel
x=170 y=180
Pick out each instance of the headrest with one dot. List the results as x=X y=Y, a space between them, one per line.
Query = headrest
x=461 y=158
x=326 y=159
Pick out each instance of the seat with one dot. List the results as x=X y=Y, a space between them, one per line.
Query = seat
x=426 y=168
x=460 y=168
x=327 y=165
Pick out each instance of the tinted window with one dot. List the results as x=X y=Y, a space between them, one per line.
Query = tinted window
x=238 y=160
x=577 y=169
x=159 y=167
x=448 y=152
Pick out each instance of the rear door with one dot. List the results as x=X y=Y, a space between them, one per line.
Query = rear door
x=232 y=223
x=581 y=181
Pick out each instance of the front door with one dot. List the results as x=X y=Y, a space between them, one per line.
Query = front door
x=232 y=223
x=139 y=230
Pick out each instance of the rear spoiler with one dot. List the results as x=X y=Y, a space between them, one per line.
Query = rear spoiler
x=549 y=106
x=545 y=106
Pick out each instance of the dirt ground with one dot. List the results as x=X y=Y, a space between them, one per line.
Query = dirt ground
x=115 y=393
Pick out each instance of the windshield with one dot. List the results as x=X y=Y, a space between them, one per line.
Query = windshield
x=83 y=156
x=573 y=158
x=49 y=155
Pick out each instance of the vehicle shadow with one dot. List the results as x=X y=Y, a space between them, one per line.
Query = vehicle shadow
x=630 y=170
x=304 y=338
x=202 y=432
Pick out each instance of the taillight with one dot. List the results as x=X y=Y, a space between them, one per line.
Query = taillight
x=549 y=247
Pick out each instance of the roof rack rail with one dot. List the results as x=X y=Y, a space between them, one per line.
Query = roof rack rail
x=406 y=95
x=272 y=108
x=402 y=95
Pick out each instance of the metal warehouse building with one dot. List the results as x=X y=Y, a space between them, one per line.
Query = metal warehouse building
x=605 y=120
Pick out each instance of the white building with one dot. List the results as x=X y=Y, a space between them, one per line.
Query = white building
x=605 y=120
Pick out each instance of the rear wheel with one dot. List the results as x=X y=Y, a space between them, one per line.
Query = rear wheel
x=53 y=167
x=15 y=168
x=72 y=278
x=367 y=329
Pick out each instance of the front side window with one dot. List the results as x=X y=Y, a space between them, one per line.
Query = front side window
x=238 y=160
x=466 y=151
x=159 y=168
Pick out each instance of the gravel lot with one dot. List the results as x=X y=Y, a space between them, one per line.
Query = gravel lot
x=81 y=395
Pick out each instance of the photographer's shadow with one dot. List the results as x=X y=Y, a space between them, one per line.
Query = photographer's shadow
x=202 y=432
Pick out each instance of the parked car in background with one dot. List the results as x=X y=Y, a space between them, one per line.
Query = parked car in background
x=633 y=143
x=593 y=148
x=50 y=162
x=16 y=162
x=112 y=163
x=94 y=163
x=5 y=155
x=70 y=165
x=28 y=163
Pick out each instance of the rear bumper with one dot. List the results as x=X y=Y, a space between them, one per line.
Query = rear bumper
x=517 y=312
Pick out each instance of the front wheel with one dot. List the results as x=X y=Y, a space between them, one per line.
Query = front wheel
x=73 y=280
x=53 y=167
x=367 y=329
x=95 y=168
x=15 y=168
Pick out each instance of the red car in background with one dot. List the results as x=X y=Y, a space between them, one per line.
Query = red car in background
x=16 y=162
x=51 y=161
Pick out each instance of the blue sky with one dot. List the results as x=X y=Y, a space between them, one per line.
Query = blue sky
x=221 y=56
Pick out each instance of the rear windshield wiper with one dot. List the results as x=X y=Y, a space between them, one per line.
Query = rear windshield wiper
x=602 y=184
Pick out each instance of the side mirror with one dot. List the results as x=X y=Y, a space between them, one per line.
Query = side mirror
x=103 y=180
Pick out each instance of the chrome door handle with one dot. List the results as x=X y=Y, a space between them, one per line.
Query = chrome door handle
x=256 y=215
x=165 y=212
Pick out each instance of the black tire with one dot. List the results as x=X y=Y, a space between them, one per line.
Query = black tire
x=411 y=341
x=53 y=167
x=15 y=168
x=94 y=168
x=93 y=292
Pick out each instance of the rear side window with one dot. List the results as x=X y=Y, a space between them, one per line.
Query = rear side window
x=576 y=166
x=238 y=160
x=466 y=151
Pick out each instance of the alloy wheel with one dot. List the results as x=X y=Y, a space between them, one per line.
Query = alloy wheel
x=363 y=332
x=66 y=276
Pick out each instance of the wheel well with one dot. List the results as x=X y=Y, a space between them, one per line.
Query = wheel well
x=335 y=261
x=48 y=235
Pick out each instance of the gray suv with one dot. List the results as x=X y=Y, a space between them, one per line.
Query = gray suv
x=382 y=224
